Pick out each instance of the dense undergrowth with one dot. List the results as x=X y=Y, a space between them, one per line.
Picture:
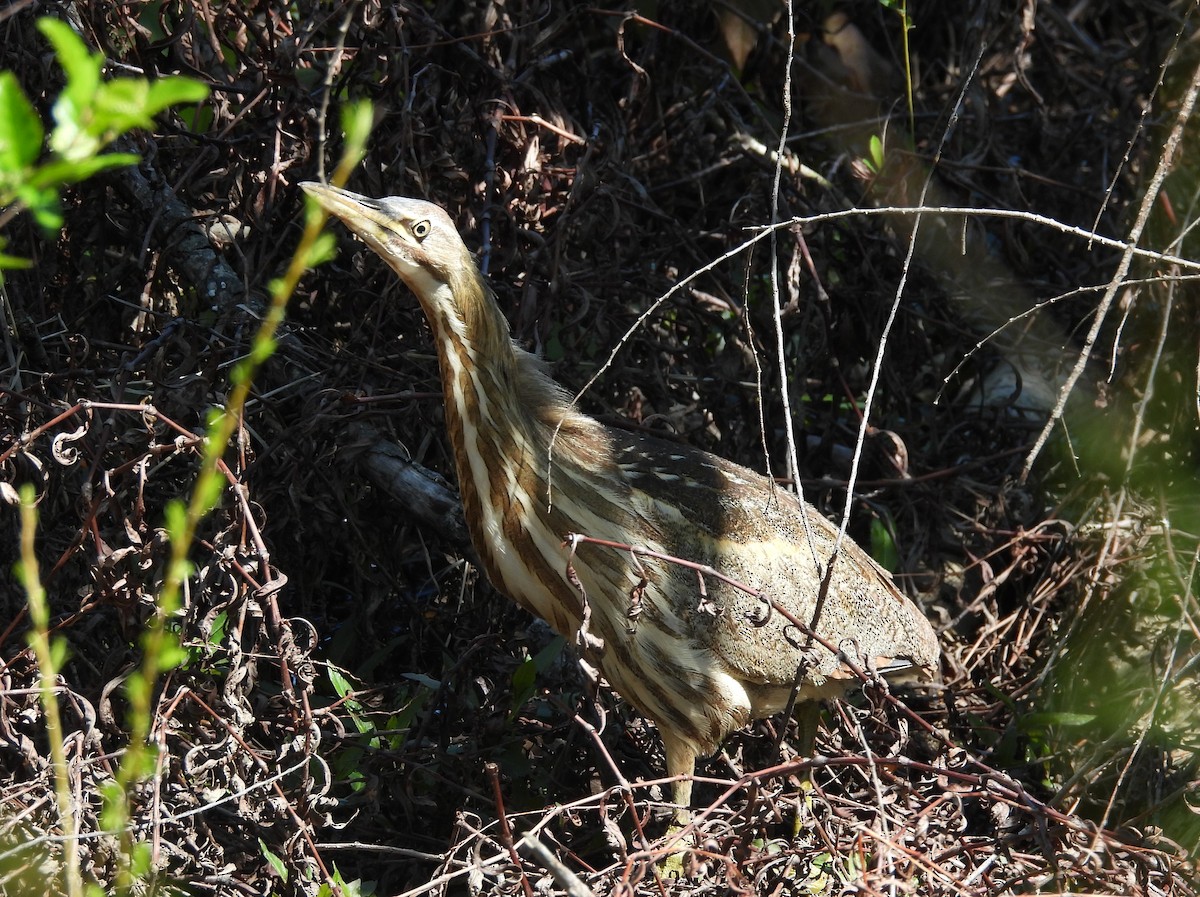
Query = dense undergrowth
x=353 y=707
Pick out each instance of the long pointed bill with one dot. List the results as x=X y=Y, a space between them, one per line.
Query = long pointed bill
x=361 y=214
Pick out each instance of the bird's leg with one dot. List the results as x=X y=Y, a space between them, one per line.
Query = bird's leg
x=681 y=761
x=808 y=718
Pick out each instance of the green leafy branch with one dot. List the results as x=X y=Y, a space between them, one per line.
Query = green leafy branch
x=161 y=650
x=89 y=114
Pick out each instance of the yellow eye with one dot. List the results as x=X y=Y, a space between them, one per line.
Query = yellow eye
x=420 y=230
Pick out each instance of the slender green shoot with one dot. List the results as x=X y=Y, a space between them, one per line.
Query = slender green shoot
x=50 y=655
x=906 y=25
x=161 y=650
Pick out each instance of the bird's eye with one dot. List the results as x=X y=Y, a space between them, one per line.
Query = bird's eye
x=420 y=230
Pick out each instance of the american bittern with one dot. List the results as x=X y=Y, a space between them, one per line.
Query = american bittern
x=692 y=651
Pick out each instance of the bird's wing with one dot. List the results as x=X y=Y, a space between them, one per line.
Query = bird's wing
x=712 y=512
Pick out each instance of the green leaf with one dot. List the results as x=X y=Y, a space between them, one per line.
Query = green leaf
x=172 y=654
x=876 y=153
x=340 y=683
x=70 y=138
x=90 y=112
x=220 y=625
x=55 y=173
x=883 y=546
x=422 y=679
x=43 y=203
x=345 y=690
x=166 y=92
x=119 y=105
x=405 y=718
x=1040 y=722
x=13 y=261
x=276 y=862
x=355 y=888
x=140 y=860
x=198 y=119
x=523 y=680
x=147 y=763
x=83 y=67
x=73 y=108
x=60 y=652
x=323 y=247
x=114 y=810
x=125 y=103
x=21 y=132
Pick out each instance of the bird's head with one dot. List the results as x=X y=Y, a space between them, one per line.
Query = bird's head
x=416 y=238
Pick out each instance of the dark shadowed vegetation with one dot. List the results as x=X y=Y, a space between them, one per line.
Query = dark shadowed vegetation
x=353 y=709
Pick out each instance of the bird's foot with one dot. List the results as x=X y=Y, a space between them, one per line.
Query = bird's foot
x=679 y=845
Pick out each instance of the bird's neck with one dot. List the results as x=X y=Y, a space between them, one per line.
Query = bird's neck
x=502 y=412
x=483 y=376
